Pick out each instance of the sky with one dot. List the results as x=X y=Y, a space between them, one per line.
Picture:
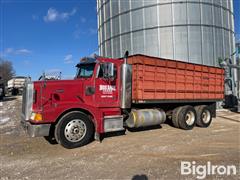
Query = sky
x=52 y=35
x=48 y=36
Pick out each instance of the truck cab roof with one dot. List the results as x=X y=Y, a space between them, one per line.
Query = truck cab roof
x=87 y=60
x=97 y=59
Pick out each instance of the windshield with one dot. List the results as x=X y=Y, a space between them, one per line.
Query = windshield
x=85 y=70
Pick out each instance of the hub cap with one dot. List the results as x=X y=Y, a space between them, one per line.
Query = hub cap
x=206 y=116
x=190 y=118
x=75 y=130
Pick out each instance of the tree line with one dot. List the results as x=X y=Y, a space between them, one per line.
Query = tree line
x=6 y=71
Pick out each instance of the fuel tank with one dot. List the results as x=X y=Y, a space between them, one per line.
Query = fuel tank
x=145 y=117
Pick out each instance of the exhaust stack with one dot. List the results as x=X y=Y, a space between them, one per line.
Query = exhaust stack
x=126 y=74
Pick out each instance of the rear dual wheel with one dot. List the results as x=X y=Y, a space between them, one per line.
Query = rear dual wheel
x=204 y=116
x=184 y=117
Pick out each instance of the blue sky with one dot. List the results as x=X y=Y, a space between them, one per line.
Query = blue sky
x=47 y=36
x=44 y=35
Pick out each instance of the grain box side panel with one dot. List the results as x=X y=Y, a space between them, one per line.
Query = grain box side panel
x=156 y=79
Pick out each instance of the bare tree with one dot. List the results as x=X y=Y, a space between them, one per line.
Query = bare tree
x=6 y=70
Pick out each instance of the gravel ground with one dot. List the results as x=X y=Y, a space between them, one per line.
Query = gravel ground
x=152 y=154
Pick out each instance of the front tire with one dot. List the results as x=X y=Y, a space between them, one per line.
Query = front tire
x=75 y=129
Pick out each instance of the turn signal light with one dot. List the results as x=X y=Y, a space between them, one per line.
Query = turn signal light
x=36 y=117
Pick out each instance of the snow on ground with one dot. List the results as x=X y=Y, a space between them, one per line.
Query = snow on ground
x=4 y=120
x=9 y=118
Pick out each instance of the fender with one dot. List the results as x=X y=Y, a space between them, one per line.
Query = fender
x=53 y=114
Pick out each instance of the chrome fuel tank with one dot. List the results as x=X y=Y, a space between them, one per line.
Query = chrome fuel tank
x=145 y=117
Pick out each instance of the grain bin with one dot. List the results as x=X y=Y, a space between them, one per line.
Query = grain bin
x=197 y=31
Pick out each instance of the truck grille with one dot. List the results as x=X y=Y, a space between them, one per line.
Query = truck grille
x=27 y=100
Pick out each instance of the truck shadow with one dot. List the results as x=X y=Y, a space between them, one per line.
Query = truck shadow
x=120 y=133
x=140 y=177
x=169 y=122
x=113 y=134
x=144 y=128
x=51 y=140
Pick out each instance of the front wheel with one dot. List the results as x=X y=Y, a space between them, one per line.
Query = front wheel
x=75 y=129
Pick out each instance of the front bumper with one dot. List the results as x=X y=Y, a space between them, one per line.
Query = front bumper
x=36 y=130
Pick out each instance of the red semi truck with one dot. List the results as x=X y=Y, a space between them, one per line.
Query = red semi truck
x=110 y=95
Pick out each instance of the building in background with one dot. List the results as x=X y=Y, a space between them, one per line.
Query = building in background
x=197 y=31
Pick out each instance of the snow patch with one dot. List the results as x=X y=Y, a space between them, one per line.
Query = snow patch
x=4 y=120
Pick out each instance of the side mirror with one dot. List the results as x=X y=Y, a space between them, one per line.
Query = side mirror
x=108 y=70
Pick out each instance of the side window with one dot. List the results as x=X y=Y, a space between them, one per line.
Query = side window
x=100 y=72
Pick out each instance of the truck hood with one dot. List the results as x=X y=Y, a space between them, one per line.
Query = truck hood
x=56 y=91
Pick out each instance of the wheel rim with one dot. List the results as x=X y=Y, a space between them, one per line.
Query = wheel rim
x=206 y=116
x=75 y=130
x=190 y=118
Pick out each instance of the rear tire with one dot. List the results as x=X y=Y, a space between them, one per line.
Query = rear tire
x=74 y=129
x=184 y=117
x=175 y=116
x=204 y=116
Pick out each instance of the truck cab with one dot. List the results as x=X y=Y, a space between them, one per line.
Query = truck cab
x=74 y=110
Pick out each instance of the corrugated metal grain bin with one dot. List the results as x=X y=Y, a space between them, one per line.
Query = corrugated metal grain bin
x=195 y=31
x=155 y=79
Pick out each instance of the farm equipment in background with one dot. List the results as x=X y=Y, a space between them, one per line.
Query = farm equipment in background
x=15 y=85
x=232 y=86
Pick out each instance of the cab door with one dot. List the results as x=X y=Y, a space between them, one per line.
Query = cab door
x=86 y=77
x=106 y=89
